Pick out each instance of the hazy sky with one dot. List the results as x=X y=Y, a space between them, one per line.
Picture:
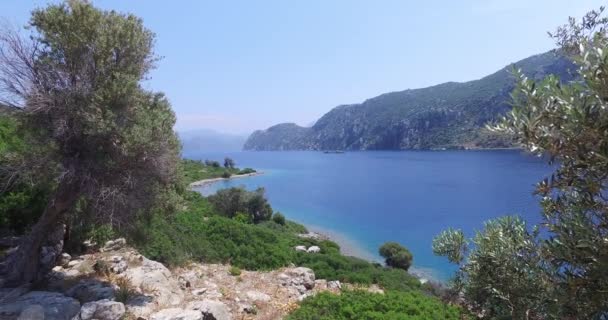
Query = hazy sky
x=237 y=66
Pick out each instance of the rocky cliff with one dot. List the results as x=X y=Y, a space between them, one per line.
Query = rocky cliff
x=449 y=115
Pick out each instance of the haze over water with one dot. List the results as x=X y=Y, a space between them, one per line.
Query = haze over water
x=367 y=198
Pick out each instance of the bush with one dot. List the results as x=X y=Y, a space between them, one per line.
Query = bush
x=396 y=255
x=331 y=265
x=226 y=175
x=369 y=306
x=21 y=207
x=188 y=235
x=278 y=218
x=228 y=202
x=234 y=271
x=243 y=218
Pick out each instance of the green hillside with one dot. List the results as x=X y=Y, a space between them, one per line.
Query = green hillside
x=448 y=115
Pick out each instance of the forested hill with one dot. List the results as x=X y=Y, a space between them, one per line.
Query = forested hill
x=448 y=115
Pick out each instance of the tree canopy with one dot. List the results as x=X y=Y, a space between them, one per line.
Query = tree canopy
x=104 y=140
x=396 y=255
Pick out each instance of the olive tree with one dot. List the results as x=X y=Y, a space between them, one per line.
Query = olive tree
x=501 y=271
x=108 y=143
x=568 y=124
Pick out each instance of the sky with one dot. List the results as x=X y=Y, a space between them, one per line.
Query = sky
x=237 y=66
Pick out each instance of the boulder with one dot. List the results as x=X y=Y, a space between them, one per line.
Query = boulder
x=177 y=314
x=301 y=248
x=73 y=263
x=55 y=305
x=35 y=312
x=91 y=290
x=118 y=264
x=113 y=245
x=321 y=284
x=159 y=287
x=199 y=292
x=102 y=310
x=65 y=259
x=211 y=309
x=257 y=296
x=314 y=249
x=299 y=277
x=335 y=285
x=89 y=246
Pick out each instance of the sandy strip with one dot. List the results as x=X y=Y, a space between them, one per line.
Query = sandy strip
x=205 y=182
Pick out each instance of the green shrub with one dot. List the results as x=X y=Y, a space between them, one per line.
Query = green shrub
x=21 y=207
x=101 y=234
x=226 y=175
x=234 y=271
x=396 y=255
x=331 y=265
x=243 y=218
x=355 y=305
x=278 y=218
x=228 y=202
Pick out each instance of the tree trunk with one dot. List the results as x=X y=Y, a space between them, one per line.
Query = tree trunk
x=22 y=265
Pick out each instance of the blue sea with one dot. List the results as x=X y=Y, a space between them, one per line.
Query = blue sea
x=364 y=199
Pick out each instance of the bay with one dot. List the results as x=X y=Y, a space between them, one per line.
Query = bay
x=363 y=199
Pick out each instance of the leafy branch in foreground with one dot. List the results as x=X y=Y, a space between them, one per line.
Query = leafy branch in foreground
x=567 y=269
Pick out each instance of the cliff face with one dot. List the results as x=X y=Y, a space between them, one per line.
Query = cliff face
x=442 y=116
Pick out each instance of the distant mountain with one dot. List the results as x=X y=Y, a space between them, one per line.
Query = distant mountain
x=448 y=115
x=203 y=140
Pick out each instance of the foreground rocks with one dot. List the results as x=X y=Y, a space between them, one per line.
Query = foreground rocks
x=38 y=305
x=119 y=283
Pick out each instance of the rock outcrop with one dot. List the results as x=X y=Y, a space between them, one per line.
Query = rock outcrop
x=119 y=283
x=51 y=305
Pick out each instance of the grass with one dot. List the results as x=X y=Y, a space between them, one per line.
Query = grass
x=126 y=289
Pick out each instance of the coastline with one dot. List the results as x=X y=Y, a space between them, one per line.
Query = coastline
x=348 y=246
x=209 y=181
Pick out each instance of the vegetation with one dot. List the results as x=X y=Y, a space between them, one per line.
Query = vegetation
x=107 y=143
x=396 y=255
x=278 y=218
x=234 y=271
x=196 y=170
x=363 y=305
x=228 y=163
x=561 y=272
x=87 y=146
x=202 y=233
x=229 y=202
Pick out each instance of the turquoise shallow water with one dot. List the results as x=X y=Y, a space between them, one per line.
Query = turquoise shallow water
x=367 y=198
